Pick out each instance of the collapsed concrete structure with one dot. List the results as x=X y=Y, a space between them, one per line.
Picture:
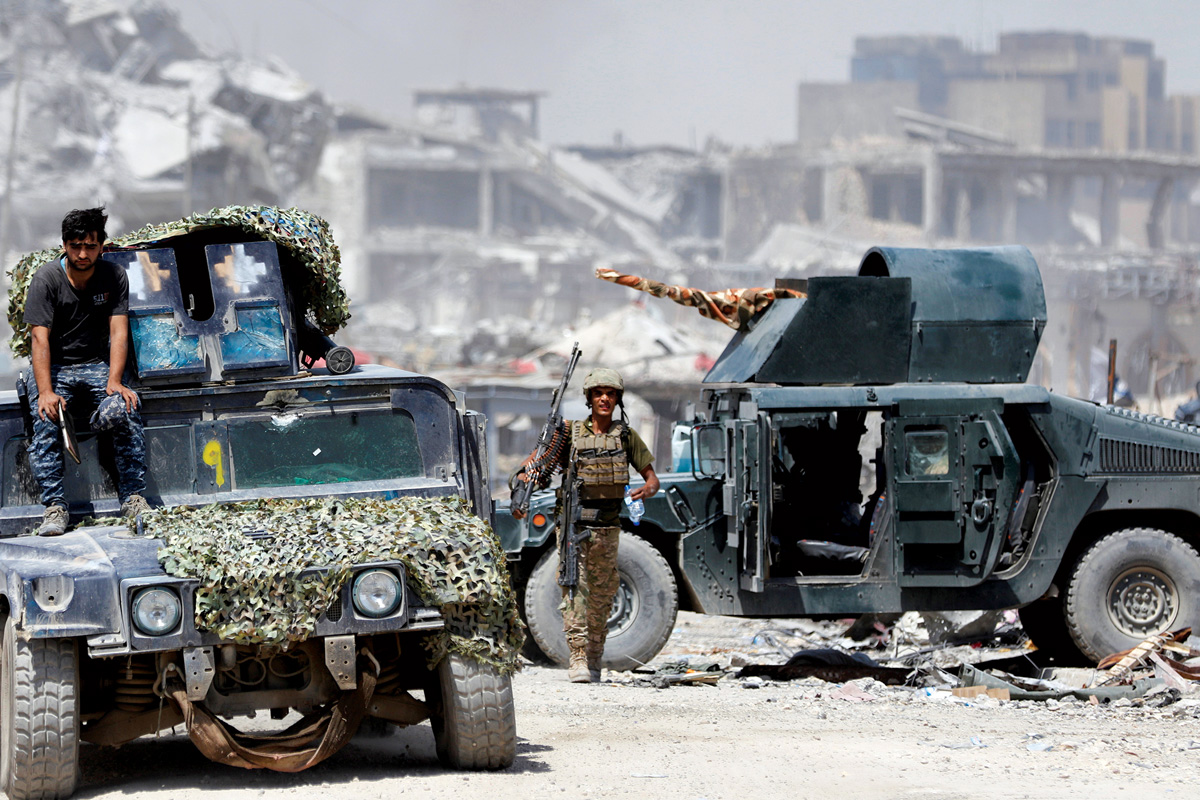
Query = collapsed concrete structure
x=107 y=102
x=468 y=243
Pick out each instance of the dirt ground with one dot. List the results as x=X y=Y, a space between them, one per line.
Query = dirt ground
x=800 y=739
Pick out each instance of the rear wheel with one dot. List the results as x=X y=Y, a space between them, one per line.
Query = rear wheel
x=643 y=612
x=39 y=723
x=474 y=724
x=1129 y=585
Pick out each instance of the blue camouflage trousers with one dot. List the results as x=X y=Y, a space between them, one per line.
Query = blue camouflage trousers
x=46 y=451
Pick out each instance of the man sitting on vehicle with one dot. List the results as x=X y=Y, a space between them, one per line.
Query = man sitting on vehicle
x=78 y=309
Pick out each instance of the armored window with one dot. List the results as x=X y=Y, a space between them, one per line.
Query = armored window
x=303 y=450
x=927 y=452
x=92 y=478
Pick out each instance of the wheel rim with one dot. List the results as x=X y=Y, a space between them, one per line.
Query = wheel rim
x=625 y=607
x=1143 y=601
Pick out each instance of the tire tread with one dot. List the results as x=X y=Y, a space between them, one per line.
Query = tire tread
x=1075 y=601
x=547 y=632
x=478 y=729
x=43 y=733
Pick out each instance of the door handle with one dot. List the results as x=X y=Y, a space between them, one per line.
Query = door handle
x=981 y=511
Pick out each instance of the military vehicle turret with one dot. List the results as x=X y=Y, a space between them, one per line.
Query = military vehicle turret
x=987 y=492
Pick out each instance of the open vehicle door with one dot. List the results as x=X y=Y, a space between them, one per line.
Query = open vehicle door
x=953 y=472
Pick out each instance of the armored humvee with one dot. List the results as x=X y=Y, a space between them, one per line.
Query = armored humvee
x=375 y=478
x=987 y=492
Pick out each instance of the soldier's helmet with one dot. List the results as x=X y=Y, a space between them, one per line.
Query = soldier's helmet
x=110 y=413
x=602 y=376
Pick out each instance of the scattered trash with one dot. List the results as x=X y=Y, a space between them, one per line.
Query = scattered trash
x=976 y=691
x=1121 y=665
x=974 y=741
x=852 y=693
x=830 y=665
x=1040 y=689
x=704 y=671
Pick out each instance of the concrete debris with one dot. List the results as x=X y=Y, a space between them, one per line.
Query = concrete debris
x=814 y=653
x=118 y=105
x=957 y=627
x=1122 y=666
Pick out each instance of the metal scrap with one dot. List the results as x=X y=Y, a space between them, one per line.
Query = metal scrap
x=1121 y=665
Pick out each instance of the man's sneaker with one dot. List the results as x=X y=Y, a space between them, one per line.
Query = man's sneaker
x=54 y=521
x=133 y=506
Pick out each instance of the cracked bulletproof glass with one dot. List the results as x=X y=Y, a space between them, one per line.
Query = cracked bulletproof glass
x=302 y=449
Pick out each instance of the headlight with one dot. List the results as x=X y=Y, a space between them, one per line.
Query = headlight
x=156 y=611
x=376 y=592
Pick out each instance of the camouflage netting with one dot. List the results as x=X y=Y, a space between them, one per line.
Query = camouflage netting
x=305 y=235
x=733 y=307
x=251 y=589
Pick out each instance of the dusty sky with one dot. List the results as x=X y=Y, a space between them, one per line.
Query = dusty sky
x=659 y=71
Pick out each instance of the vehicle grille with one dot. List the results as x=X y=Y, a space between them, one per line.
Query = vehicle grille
x=335 y=610
x=1117 y=455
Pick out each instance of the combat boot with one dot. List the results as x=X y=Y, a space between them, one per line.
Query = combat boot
x=595 y=652
x=577 y=669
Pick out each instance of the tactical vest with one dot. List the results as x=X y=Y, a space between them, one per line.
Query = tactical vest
x=600 y=461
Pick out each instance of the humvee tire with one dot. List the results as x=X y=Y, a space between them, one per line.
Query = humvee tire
x=643 y=614
x=474 y=725
x=1129 y=585
x=39 y=720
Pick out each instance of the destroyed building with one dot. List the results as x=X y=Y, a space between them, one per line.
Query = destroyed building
x=469 y=243
x=114 y=103
x=1045 y=89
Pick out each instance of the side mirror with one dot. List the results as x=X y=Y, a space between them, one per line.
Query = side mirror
x=708 y=451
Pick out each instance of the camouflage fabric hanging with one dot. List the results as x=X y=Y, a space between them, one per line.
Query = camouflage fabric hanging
x=249 y=558
x=733 y=307
x=306 y=236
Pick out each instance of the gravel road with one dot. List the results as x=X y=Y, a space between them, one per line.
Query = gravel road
x=801 y=739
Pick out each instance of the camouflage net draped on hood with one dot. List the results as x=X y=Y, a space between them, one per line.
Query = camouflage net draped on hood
x=249 y=558
x=306 y=236
x=734 y=307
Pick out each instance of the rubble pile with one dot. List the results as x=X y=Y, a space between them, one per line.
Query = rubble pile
x=115 y=103
x=965 y=658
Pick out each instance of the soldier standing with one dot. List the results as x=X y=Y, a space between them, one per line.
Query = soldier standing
x=601 y=450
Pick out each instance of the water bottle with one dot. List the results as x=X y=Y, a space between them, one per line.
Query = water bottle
x=636 y=507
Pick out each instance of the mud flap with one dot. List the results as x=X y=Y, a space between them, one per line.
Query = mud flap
x=307 y=743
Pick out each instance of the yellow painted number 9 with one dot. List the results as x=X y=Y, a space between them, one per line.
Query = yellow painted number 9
x=212 y=457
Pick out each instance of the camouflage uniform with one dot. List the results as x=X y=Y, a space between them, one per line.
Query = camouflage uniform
x=585 y=615
x=45 y=451
x=586 y=611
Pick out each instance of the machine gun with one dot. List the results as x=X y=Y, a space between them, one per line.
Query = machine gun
x=540 y=466
x=572 y=535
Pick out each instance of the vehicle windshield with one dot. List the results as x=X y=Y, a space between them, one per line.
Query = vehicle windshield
x=298 y=450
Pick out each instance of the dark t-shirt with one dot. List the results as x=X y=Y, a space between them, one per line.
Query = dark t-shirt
x=78 y=319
